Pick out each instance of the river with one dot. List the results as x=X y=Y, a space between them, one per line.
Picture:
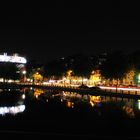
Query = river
x=59 y=112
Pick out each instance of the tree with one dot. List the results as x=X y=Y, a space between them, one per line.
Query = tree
x=82 y=66
x=37 y=77
x=34 y=67
x=55 y=68
x=116 y=66
x=69 y=75
x=134 y=60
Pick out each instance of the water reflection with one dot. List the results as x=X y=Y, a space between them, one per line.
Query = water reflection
x=72 y=97
x=11 y=102
x=57 y=110
x=38 y=92
x=12 y=110
x=72 y=100
x=70 y=104
x=129 y=111
x=94 y=100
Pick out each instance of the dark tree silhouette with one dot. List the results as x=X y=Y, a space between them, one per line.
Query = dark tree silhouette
x=55 y=68
x=82 y=66
x=116 y=66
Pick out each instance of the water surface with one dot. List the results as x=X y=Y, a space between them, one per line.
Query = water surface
x=36 y=110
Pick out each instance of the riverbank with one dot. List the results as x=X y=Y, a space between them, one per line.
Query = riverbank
x=70 y=89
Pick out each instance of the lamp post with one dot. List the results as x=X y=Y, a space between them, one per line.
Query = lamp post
x=24 y=75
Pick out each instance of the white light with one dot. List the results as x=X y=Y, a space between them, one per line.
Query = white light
x=24 y=72
x=12 y=110
x=51 y=81
x=5 y=109
x=139 y=104
x=1 y=111
x=84 y=80
x=1 y=80
x=12 y=59
x=28 y=79
x=22 y=108
x=23 y=96
x=119 y=88
x=10 y=81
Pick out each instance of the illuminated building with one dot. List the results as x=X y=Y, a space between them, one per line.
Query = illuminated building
x=12 y=66
x=12 y=59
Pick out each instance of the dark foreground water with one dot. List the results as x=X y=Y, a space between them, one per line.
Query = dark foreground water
x=57 y=113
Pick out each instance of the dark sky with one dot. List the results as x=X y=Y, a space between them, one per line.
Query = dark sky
x=62 y=29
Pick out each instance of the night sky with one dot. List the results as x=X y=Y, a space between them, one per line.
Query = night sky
x=62 y=29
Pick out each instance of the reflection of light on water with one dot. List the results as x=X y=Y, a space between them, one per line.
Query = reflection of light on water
x=129 y=111
x=70 y=104
x=38 y=92
x=94 y=100
x=92 y=104
x=139 y=104
x=12 y=110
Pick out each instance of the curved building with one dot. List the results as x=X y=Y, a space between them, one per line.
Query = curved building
x=13 y=58
x=12 y=67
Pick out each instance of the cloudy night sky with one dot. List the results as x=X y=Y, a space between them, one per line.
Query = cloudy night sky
x=62 y=29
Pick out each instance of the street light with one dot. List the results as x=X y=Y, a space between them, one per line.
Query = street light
x=24 y=72
x=24 y=75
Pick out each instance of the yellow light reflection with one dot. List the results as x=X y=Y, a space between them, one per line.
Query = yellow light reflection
x=92 y=104
x=38 y=92
x=129 y=111
x=94 y=100
x=70 y=104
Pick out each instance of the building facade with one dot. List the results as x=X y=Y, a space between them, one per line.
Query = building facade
x=12 y=68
